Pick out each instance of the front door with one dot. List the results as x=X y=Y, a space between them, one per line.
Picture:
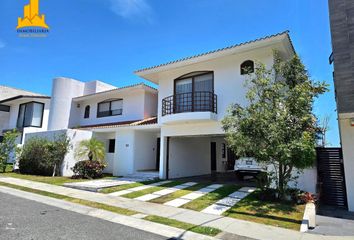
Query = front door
x=231 y=158
x=213 y=156
x=158 y=154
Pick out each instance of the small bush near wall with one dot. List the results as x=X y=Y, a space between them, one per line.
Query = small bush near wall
x=88 y=169
x=39 y=156
x=93 y=150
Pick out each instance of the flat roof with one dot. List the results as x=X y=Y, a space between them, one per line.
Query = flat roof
x=23 y=96
x=120 y=89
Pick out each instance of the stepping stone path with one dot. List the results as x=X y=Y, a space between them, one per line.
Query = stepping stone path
x=135 y=189
x=226 y=203
x=192 y=196
x=164 y=192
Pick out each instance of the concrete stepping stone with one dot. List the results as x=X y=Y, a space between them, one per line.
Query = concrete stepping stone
x=192 y=196
x=228 y=202
x=135 y=189
x=164 y=192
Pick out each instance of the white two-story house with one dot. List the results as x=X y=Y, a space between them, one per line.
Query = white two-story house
x=175 y=130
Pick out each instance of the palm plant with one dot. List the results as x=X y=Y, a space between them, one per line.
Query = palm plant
x=92 y=148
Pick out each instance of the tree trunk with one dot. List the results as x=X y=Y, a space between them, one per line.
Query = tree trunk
x=54 y=170
x=281 y=182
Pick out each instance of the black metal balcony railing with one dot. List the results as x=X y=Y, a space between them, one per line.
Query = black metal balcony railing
x=189 y=102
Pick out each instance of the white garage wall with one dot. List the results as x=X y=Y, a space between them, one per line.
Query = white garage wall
x=189 y=156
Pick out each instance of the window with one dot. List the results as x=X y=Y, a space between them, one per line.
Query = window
x=30 y=115
x=193 y=90
x=110 y=108
x=87 y=112
x=111 y=145
x=247 y=67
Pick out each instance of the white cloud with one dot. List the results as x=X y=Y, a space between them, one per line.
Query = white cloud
x=2 y=44
x=133 y=10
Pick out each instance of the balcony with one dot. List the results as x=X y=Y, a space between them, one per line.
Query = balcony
x=189 y=106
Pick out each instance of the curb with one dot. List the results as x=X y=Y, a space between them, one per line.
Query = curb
x=309 y=219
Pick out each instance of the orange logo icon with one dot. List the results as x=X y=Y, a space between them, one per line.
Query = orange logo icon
x=31 y=16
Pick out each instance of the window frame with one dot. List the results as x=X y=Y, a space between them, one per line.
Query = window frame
x=242 y=69
x=110 y=108
x=87 y=112
x=192 y=75
x=24 y=118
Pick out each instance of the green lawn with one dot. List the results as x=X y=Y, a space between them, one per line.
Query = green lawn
x=210 y=198
x=126 y=186
x=210 y=231
x=50 y=180
x=280 y=214
x=152 y=189
x=179 y=193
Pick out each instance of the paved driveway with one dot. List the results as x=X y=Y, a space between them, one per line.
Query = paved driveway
x=25 y=219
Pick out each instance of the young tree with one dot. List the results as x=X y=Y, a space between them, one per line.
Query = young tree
x=7 y=147
x=58 y=149
x=277 y=127
x=93 y=149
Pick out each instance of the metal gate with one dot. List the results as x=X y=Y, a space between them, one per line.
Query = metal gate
x=331 y=177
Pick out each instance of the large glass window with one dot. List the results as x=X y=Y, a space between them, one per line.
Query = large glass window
x=30 y=115
x=194 y=92
x=110 y=108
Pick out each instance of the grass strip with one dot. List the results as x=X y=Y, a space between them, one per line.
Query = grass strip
x=179 y=193
x=151 y=190
x=118 y=210
x=210 y=198
x=126 y=186
x=276 y=213
x=209 y=231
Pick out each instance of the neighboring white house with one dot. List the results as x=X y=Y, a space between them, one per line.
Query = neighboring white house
x=171 y=132
x=24 y=110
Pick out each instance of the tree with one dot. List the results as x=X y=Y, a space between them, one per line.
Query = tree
x=58 y=149
x=7 y=147
x=92 y=148
x=323 y=130
x=277 y=127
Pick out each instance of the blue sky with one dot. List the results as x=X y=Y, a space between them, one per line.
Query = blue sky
x=108 y=39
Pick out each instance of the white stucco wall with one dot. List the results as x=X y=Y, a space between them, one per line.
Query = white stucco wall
x=63 y=90
x=347 y=140
x=124 y=154
x=189 y=157
x=137 y=105
x=145 y=150
x=75 y=136
x=228 y=82
x=109 y=158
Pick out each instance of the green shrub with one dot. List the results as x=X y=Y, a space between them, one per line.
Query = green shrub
x=39 y=156
x=88 y=169
x=34 y=158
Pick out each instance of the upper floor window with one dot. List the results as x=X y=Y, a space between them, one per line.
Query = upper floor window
x=247 y=67
x=194 y=92
x=110 y=108
x=87 y=111
x=30 y=115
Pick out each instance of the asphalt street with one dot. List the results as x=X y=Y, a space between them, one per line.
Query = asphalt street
x=30 y=220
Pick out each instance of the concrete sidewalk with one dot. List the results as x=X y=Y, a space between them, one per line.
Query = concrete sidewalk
x=226 y=224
